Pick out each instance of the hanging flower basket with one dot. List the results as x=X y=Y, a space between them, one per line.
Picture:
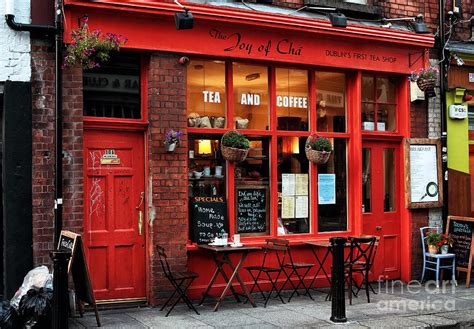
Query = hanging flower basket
x=234 y=146
x=318 y=156
x=426 y=84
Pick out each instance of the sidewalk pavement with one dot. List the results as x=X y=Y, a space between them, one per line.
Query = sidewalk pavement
x=394 y=306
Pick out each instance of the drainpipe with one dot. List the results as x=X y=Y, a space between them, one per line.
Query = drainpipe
x=442 y=91
x=48 y=30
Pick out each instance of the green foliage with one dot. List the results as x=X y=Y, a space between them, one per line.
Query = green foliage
x=320 y=143
x=235 y=139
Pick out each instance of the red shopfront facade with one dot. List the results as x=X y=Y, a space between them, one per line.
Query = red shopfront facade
x=275 y=78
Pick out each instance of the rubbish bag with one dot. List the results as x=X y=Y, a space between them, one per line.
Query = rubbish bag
x=35 y=308
x=38 y=277
x=9 y=318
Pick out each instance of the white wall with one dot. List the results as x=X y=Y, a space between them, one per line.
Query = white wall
x=15 y=46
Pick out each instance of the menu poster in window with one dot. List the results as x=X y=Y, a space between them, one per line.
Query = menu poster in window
x=301 y=184
x=461 y=230
x=424 y=181
x=288 y=207
x=251 y=209
x=326 y=188
x=209 y=218
x=288 y=182
x=301 y=206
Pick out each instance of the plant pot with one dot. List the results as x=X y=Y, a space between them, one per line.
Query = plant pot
x=432 y=249
x=444 y=249
x=233 y=154
x=170 y=147
x=426 y=84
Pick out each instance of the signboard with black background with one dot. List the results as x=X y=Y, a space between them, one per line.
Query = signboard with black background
x=461 y=230
x=251 y=209
x=208 y=217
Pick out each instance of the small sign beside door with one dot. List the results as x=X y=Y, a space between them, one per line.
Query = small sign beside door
x=109 y=158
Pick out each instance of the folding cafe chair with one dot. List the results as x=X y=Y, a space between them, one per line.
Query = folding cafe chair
x=271 y=269
x=300 y=270
x=179 y=280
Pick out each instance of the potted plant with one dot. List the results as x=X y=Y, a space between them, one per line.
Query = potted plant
x=172 y=139
x=434 y=241
x=89 y=49
x=318 y=149
x=445 y=243
x=425 y=78
x=234 y=146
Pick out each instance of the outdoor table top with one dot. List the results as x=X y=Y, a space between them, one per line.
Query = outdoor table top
x=228 y=249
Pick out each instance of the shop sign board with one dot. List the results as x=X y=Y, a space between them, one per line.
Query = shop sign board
x=251 y=210
x=209 y=218
x=109 y=158
x=457 y=111
x=471 y=77
x=423 y=167
x=461 y=230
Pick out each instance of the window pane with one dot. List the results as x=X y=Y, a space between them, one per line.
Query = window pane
x=250 y=97
x=293 y=186
x=292 y=99
x=368 y=116
x=252 y=189
x=386 y=90
x=471 y=117
x=368 y=88
x=331 y=101
x=389 y=179
x=113 y=90
x=386 y=117
x=333 y=215
x=366 y=181
x=206 y=98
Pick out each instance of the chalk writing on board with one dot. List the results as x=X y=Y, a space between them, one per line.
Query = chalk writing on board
x=462 y=236
x=251 y=210
x=209 y=219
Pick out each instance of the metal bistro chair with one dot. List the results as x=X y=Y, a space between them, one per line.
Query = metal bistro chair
x=432 y=262
x=371 y=265
x=179 y=280
x=360 y=261
x=300 y=270
x=275 y=249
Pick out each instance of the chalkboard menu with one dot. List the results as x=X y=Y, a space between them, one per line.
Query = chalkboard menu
x=461 y=232
x=251 y=209
x=209 y=218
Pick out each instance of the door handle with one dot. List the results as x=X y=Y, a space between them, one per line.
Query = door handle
x=140 y=214
x=378 y=228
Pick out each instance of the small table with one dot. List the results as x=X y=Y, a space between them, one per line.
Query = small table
x=316 y=245
x=221 y=257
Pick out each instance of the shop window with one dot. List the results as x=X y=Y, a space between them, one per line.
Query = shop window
x=331 y=101
x=292 y=102
x=389 y=179
x=252 y=190
x=332 y=190
x=471 y=117
x=206 y=94
x=379 y=103
x=113 y=90
x=250 y=88
x=293 y=187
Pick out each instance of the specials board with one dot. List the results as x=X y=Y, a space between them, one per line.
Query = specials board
x=209 y=218
x=461 y=230
x=251 y=209
x=77 y=267
x=423 y=173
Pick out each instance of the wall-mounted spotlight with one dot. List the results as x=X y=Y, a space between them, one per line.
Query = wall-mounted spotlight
x=337 y=19
x=416 y=23
x=184 y=21
x=459 y=60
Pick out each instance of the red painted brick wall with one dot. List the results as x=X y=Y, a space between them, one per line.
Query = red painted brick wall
x=167 y=109
x=43 y=79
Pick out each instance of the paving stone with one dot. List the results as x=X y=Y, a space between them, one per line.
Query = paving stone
x=110 y=320
x=394 y=322
x=157 y=319
x=459 y=316
x=433 y=320
x=227 y=318
x=287 y=318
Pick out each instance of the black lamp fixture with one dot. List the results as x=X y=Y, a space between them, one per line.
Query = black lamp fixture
x=417 y=23
x=184 y=21
x=337 y=19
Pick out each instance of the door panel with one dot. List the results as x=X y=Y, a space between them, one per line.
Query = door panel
x=113 y=189
x=381 y=193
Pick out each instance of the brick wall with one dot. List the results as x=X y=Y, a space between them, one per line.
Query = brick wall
x=168 y=172
x=43 y=116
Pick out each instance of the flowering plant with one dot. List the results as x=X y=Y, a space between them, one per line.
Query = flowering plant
x=447 y=239
x=91 y=48
x=173 y=137
x=428 y=73
x=434 y=238
x=320 y=143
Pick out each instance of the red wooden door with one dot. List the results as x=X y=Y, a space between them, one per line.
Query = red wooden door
x=113 y=189
x=380 y=197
